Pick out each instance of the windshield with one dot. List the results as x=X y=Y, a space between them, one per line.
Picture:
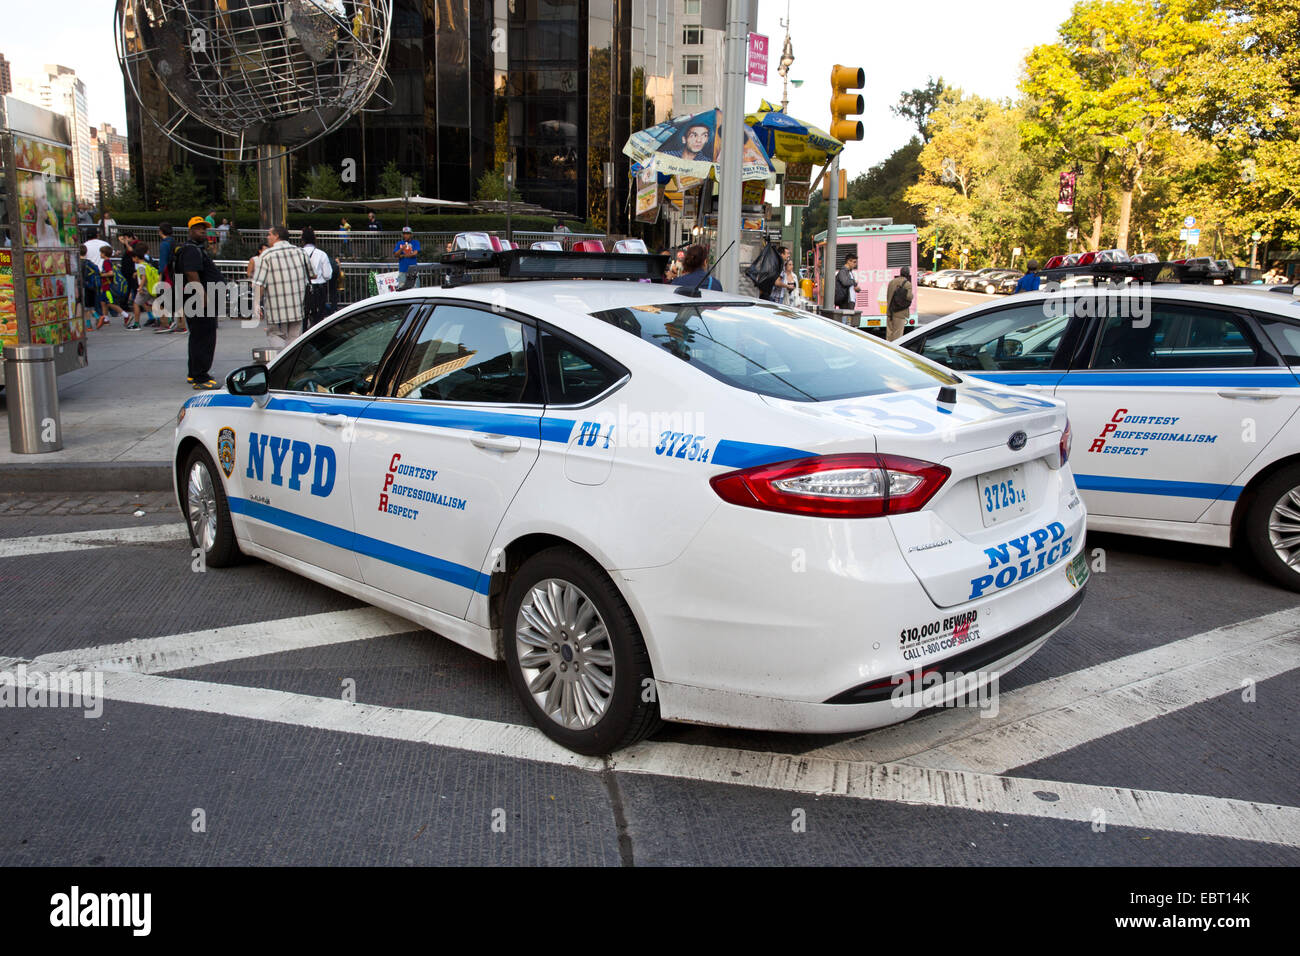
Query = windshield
x=777 y=351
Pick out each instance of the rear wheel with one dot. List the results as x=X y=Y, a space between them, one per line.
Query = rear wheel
x=1272 y=528
x=575 y=654
x=207 y=513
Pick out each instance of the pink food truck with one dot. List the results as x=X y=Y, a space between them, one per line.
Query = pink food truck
x=882 y=250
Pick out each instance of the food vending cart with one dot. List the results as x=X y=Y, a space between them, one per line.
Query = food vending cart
x=38 y=214
x=882 y=249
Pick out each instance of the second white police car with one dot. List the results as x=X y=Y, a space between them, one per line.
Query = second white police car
x=652 y=505
x=1183 y=399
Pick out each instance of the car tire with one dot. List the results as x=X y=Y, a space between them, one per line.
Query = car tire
x=1272 y=520
x=559 y=596
x=207 y=512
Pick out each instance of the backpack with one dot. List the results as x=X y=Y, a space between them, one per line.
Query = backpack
x=763 y=271
x=89 y=276
x=899 y=300
x=336 y=278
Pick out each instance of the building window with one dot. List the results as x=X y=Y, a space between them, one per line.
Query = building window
x=693 y=36
x=693 y=65
x=692 y=95
x=692 y=8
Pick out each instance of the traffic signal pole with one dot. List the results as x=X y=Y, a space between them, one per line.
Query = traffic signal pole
x=832 y=187
x=844 y=128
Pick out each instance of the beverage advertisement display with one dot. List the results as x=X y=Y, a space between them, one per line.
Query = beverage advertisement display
x=8 y=313
x=47 y=213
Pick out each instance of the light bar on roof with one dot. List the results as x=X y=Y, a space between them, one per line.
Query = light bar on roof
x=548 y=264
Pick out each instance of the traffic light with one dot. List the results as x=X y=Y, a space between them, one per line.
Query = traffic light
x=844 y=104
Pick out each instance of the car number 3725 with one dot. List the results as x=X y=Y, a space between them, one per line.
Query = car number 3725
x=679 y=445
x=1003 y=494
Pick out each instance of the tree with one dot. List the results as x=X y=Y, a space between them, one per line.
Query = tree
x=917 y=105
x=492 y=186
x=178 y=189
x=390 y=181
x=322 y=182
x=1103 y=94
x=1243 y=96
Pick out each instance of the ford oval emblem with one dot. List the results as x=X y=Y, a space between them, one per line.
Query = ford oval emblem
x=1017 y=441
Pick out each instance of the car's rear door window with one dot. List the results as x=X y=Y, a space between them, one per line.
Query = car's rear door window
x=470 y=355
x=1022 y=338
x=776 y=351
x=1178 y=336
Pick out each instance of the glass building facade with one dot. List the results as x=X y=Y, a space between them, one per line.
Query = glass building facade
x=558 y=84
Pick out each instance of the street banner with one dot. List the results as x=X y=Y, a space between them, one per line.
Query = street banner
x=758 y=59
x=752 y=194
x=794 y=191
x=1065 y=198
x=647 y=195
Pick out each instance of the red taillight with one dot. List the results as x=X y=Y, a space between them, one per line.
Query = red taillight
x=1067 y=439
x=835 y=486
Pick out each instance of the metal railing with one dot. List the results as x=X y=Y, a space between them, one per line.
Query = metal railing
x=363 y=245
x=356 y=279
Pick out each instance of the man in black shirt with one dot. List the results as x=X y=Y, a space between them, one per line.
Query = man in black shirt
x=846 y=285
x=194 y=266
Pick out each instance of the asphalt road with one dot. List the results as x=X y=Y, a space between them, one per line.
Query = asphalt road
x=1159 y=728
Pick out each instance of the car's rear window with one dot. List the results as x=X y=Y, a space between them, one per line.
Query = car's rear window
x=776 y=351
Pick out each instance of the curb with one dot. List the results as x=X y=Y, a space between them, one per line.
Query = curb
x=86 y=476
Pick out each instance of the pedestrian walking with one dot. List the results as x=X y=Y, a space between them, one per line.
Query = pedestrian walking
x=147 y=278
x=1030 y=281
x=323 y=272
x=252 y=261
x=345 y=227
x=898 y=295
x=781 y=289
x=407 y=252
x=223 y=232
x=373 y=224
x=280 y=287
x=199 y=275
x=167 y=248
x=846 y=284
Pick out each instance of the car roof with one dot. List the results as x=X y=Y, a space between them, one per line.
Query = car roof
x=1252 y=297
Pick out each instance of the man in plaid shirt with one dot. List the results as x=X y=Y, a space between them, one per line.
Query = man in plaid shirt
x=279 y=287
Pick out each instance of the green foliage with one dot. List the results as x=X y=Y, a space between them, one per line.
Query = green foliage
x=179 y=189
x=917 y=105
x=125 y=198
x=390 y=181
x=492 y=186
x=322 y=182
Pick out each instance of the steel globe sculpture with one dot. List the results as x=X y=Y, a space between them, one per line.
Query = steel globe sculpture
x=272 y=75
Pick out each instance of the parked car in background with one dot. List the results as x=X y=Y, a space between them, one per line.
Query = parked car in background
x=949 y=281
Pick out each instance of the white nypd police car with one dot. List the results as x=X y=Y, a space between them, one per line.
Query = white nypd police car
x=1183 y=400
x=707 y=509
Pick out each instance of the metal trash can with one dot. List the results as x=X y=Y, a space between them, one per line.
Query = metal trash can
x=32 y=397
x=847 y=316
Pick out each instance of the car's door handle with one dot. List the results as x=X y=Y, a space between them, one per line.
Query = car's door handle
x=332 y=421
x=496 y=442
x=1260 y=394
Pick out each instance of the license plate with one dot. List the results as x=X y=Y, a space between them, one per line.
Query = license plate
x=1077 y=570
x=1002 y=494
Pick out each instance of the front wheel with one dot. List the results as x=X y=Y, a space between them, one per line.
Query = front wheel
x=1272 y=528
x=575 y=654
x=207 y=513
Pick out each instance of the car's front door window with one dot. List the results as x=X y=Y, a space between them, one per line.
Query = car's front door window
x=343 y=358
x=1024 y=338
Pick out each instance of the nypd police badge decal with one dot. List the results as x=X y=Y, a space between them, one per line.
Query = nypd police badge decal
x=226 y=450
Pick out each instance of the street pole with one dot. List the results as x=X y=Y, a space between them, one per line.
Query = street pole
x=832 y=233
x=733 y=122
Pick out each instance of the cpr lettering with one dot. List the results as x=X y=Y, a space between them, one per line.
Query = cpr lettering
x=1022 y=557
x=1115 y=421
x=300 y=456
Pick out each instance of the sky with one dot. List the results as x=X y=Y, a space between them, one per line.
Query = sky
x=899 y=44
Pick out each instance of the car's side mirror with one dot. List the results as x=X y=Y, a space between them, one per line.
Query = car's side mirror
x=249 y=380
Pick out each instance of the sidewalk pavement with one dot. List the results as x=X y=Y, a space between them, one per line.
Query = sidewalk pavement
x=118 y=414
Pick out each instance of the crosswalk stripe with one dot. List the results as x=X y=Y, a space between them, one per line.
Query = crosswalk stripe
x=1102 y=807
x=87 y=540
x=235 y=642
